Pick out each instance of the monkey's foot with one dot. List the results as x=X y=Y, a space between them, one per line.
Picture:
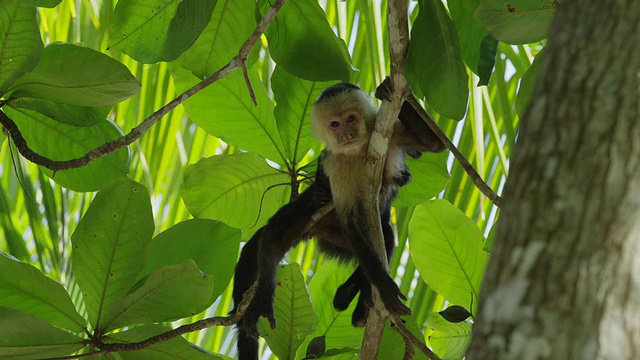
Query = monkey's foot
x=344 y=295
x=391 y=296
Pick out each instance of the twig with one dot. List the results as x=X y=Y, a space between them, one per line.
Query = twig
x=401 y=328
x=135 y=133
x=468 y=168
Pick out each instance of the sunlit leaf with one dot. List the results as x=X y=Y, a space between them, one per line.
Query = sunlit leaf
x=447 y=249
x=59 y=141
x=294 y=313
x=449 y=340
x=110 y=246
x=21 y=45
x=65 y=113
x=211 y=244
x=168 y=293
x=234 y=189
x=25 y=288
x=429 y=177
x=225 y=110
x=517 y=21
x=78 y=76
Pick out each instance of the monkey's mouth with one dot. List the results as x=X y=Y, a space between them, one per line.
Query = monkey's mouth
x=350 y=143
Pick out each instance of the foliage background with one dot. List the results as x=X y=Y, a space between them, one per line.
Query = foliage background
x=38 y=216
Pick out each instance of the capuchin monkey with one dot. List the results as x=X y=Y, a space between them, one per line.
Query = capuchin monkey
x=343 y=118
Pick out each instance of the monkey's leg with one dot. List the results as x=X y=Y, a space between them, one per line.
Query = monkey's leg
x=246 y=274
x=356 y=230
x=285 y=229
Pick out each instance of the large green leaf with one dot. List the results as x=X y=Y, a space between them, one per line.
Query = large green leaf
x=211 y=244
x=449 y=340
x=169 y=293
x=59 y=141
x=75 y=75
x=225 y=110
x=25 y=288
x=446 y=247
x=302 y=42
x=434 y=62
x=393 y=344
x=429 y=177
x=174 y=349
x=21 y=45
x=24 y=336
x=65 y=113
x=333 y=325
x=233 y=189
x=517 y=21
x=293 y=311
x=110 y=246
x=294 y=98
x=158 y=30
x=470 y=30
x=231 y=24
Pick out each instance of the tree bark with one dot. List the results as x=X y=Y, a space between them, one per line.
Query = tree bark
x=563 y=281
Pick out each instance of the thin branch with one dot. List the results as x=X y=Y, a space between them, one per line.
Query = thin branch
x=468 y=168
x=401 y=328
x=238 y=61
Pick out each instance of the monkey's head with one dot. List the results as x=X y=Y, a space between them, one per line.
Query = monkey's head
x=343 y=118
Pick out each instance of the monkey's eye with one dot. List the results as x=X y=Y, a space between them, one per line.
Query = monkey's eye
x=334 y=124
x=351 y=118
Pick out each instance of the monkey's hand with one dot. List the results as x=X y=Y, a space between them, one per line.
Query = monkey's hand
x=391 y=296
x=261 y=305
x=384 y=90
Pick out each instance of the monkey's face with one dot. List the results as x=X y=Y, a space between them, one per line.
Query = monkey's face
x=346 y=132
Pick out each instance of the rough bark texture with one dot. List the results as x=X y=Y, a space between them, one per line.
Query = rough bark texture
x=564 y=277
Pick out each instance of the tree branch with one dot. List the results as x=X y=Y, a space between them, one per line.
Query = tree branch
x=239 y=61
x=468 y=168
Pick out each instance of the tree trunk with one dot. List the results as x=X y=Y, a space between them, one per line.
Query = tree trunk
x=564 y=277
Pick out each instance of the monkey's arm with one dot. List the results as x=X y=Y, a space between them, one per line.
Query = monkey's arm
x=412 y=133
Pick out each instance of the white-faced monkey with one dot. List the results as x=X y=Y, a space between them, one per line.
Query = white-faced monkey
x=343 y=118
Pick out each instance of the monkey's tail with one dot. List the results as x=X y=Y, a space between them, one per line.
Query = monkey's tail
x=246 y=274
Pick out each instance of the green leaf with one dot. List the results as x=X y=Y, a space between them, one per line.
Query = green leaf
x=233 y=189
x=25 y=288
x=517 y=21
x=158 y=30
x=393 y=346
x=429 y=178
x=231 y=24
x=78 y=76
x=294 y=98
x=24 y=336
x=167 y=294
x=173 y=349
x=446 y=247
x=225 y=110
x=21 y=45
x=471 y=31
x=293 y=311
x=443 y=78
x=110 y=246
x=59 y=141
x=335 y=326
x=304 y=44
x=64 y=113
x=211 y=244
x=488 y=51
x=449 y=340
x=528 y=85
